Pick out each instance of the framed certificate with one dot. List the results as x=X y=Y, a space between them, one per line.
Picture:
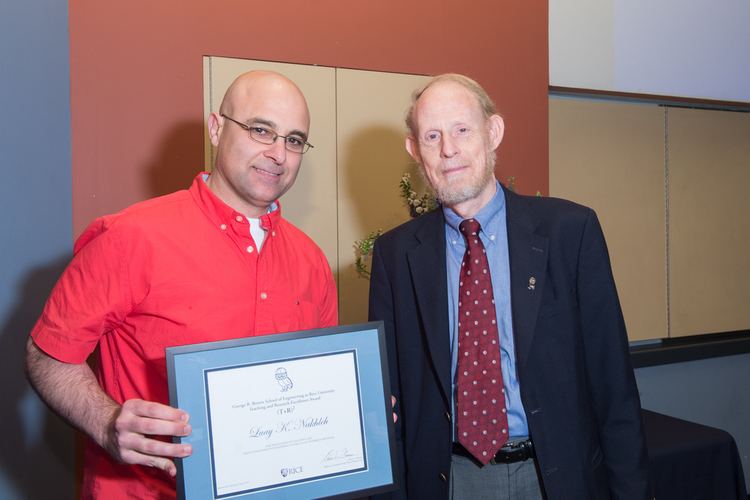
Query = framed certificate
x=294 y=415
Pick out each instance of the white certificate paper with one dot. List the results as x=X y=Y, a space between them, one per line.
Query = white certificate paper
x=285 y=421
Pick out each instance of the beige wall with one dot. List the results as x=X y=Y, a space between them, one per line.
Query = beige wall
x=669 y=186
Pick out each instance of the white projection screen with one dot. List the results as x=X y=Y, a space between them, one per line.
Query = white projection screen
x=696 y=49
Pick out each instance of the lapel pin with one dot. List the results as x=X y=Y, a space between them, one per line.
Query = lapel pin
x=532 y=283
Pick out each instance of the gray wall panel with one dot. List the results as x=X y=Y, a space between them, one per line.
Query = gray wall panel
x=36 y=452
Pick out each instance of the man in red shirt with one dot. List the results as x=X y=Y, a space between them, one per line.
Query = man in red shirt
x=213 y=262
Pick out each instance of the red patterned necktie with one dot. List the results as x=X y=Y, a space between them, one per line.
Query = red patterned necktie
x=482 y=422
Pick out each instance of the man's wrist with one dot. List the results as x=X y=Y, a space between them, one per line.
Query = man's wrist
x=105 y=434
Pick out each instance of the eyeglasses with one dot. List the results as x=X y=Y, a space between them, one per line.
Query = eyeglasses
x=263 y=135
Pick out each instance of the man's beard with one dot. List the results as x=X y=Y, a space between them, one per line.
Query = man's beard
x=452 y=195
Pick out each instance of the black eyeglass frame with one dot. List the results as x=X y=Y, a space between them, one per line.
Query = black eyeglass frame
x=273 y=135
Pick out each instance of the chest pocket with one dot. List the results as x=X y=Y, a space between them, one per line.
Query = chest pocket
x=286 y=314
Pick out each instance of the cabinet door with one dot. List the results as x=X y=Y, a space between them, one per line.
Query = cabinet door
x=371 y=107
x=610 y=157
x=709 y=221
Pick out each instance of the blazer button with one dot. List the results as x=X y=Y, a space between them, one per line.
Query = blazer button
x=448 y=416
x=442 y=476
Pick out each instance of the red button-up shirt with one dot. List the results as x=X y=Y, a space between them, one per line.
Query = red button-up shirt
x=174 y=270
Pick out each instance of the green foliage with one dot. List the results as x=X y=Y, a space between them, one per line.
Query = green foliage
x=363 y=253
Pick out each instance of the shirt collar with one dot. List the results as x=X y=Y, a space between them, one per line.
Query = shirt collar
x=221 y=213
x=488 y=216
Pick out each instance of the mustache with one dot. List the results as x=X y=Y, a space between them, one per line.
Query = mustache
x=452 y=165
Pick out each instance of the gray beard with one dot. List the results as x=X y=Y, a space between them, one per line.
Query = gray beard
x=452 y=196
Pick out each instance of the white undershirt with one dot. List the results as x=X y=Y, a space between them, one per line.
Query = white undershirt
x=257 y=232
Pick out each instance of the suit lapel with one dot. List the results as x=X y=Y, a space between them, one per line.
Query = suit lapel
x=528 y=263
x=428 y=272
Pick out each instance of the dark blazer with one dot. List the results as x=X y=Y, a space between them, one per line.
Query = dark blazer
x=572 y=359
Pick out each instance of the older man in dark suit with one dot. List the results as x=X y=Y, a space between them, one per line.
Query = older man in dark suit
x=507 y=347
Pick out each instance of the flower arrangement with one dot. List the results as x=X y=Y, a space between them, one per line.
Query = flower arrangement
x=417 y=205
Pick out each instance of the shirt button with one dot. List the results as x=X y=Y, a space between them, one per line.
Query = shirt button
x=263 y=295
x=273 y=233
x=250 y=249
x=492 y=237
x=223 y=227
x=238 y=218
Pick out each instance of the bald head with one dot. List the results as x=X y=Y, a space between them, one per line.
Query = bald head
x=269 y=85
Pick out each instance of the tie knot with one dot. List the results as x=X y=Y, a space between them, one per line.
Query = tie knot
x=469 y=227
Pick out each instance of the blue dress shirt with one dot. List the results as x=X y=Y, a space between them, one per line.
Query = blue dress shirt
x=494 y=236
